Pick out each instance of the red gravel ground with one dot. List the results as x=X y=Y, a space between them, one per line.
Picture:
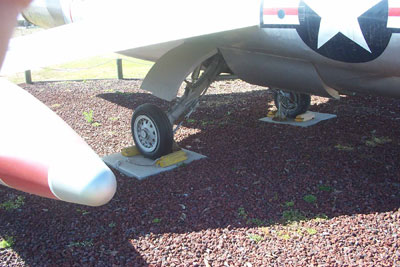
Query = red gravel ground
x=268 y=195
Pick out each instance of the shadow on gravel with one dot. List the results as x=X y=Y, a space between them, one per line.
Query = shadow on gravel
x=256 y=174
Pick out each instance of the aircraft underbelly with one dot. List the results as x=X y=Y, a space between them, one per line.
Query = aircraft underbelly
x=280 y=58
x=296 y=74
x=360 y=82
x=277 y=72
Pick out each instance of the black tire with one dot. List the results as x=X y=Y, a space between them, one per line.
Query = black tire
x=300 y=103
x=153 y=135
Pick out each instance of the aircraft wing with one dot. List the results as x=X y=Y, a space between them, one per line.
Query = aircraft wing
x=121 y=25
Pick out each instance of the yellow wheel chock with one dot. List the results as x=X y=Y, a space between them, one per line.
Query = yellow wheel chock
x=163 y=162
x=305 y=117
x=271 y=113
x=299 y=118
x=172 y=159
x=130 y=151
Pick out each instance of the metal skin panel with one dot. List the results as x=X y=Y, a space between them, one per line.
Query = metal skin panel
x=167 y=75
x=361 y=82
x=301 y=41
x=377 y=71
x=344 y=57
x=45 y=13
x=152 y=52
x=263 y=69
x=262 y=56
x=53 y=13
x=287 y=43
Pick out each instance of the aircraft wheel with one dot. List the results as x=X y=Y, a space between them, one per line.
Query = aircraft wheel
x=293 y=104
x=151 y=131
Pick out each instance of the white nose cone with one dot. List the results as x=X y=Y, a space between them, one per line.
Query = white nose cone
x=81 y=177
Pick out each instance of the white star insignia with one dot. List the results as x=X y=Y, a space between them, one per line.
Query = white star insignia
x=341 y=16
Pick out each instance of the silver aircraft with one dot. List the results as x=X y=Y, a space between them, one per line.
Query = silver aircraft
x=297 y=47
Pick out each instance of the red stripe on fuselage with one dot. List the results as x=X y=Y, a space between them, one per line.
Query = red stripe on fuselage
x=394 y=12
x=288 y=11
x=27 y=176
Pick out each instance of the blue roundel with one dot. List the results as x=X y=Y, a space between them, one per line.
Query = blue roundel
x=370 y=44
x=281 y=14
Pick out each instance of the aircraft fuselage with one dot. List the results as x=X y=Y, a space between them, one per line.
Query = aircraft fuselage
x=317 y=47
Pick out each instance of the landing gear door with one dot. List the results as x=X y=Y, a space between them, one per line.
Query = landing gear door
x=168 y=73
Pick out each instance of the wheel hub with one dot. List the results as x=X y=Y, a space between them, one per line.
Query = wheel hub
x=146 y=133
x=288 y=100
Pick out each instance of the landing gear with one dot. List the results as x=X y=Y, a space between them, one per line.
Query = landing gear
x=200 y=80
x=291 y=104
x=152 y=128
x=152 y=131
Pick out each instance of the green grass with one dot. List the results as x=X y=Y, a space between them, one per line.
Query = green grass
x=293 y=215
x=377 y=141
x=242 y=213
x=88 y=115
x=289 y=204
x=283 y=235
x=7 y=242
x=182 y=165
x=157 y=221
x=325 y=188
x=311 y=231
x=256 y=238
x=100 y=67
x=310 y=198
x=321 y=217
x=122 y=93
x=13 y=204
x=295 y=230
x=257 y=222
x=191 y=120
x=205 y=123
x=83 y=212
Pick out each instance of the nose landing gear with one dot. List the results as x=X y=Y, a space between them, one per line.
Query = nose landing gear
x=152 y=128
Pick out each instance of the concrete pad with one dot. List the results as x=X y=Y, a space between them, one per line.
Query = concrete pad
x=140 y=167
x=318 y=118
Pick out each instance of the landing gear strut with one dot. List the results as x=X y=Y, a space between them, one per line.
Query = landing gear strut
x=291 y=104
x=152 y=128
